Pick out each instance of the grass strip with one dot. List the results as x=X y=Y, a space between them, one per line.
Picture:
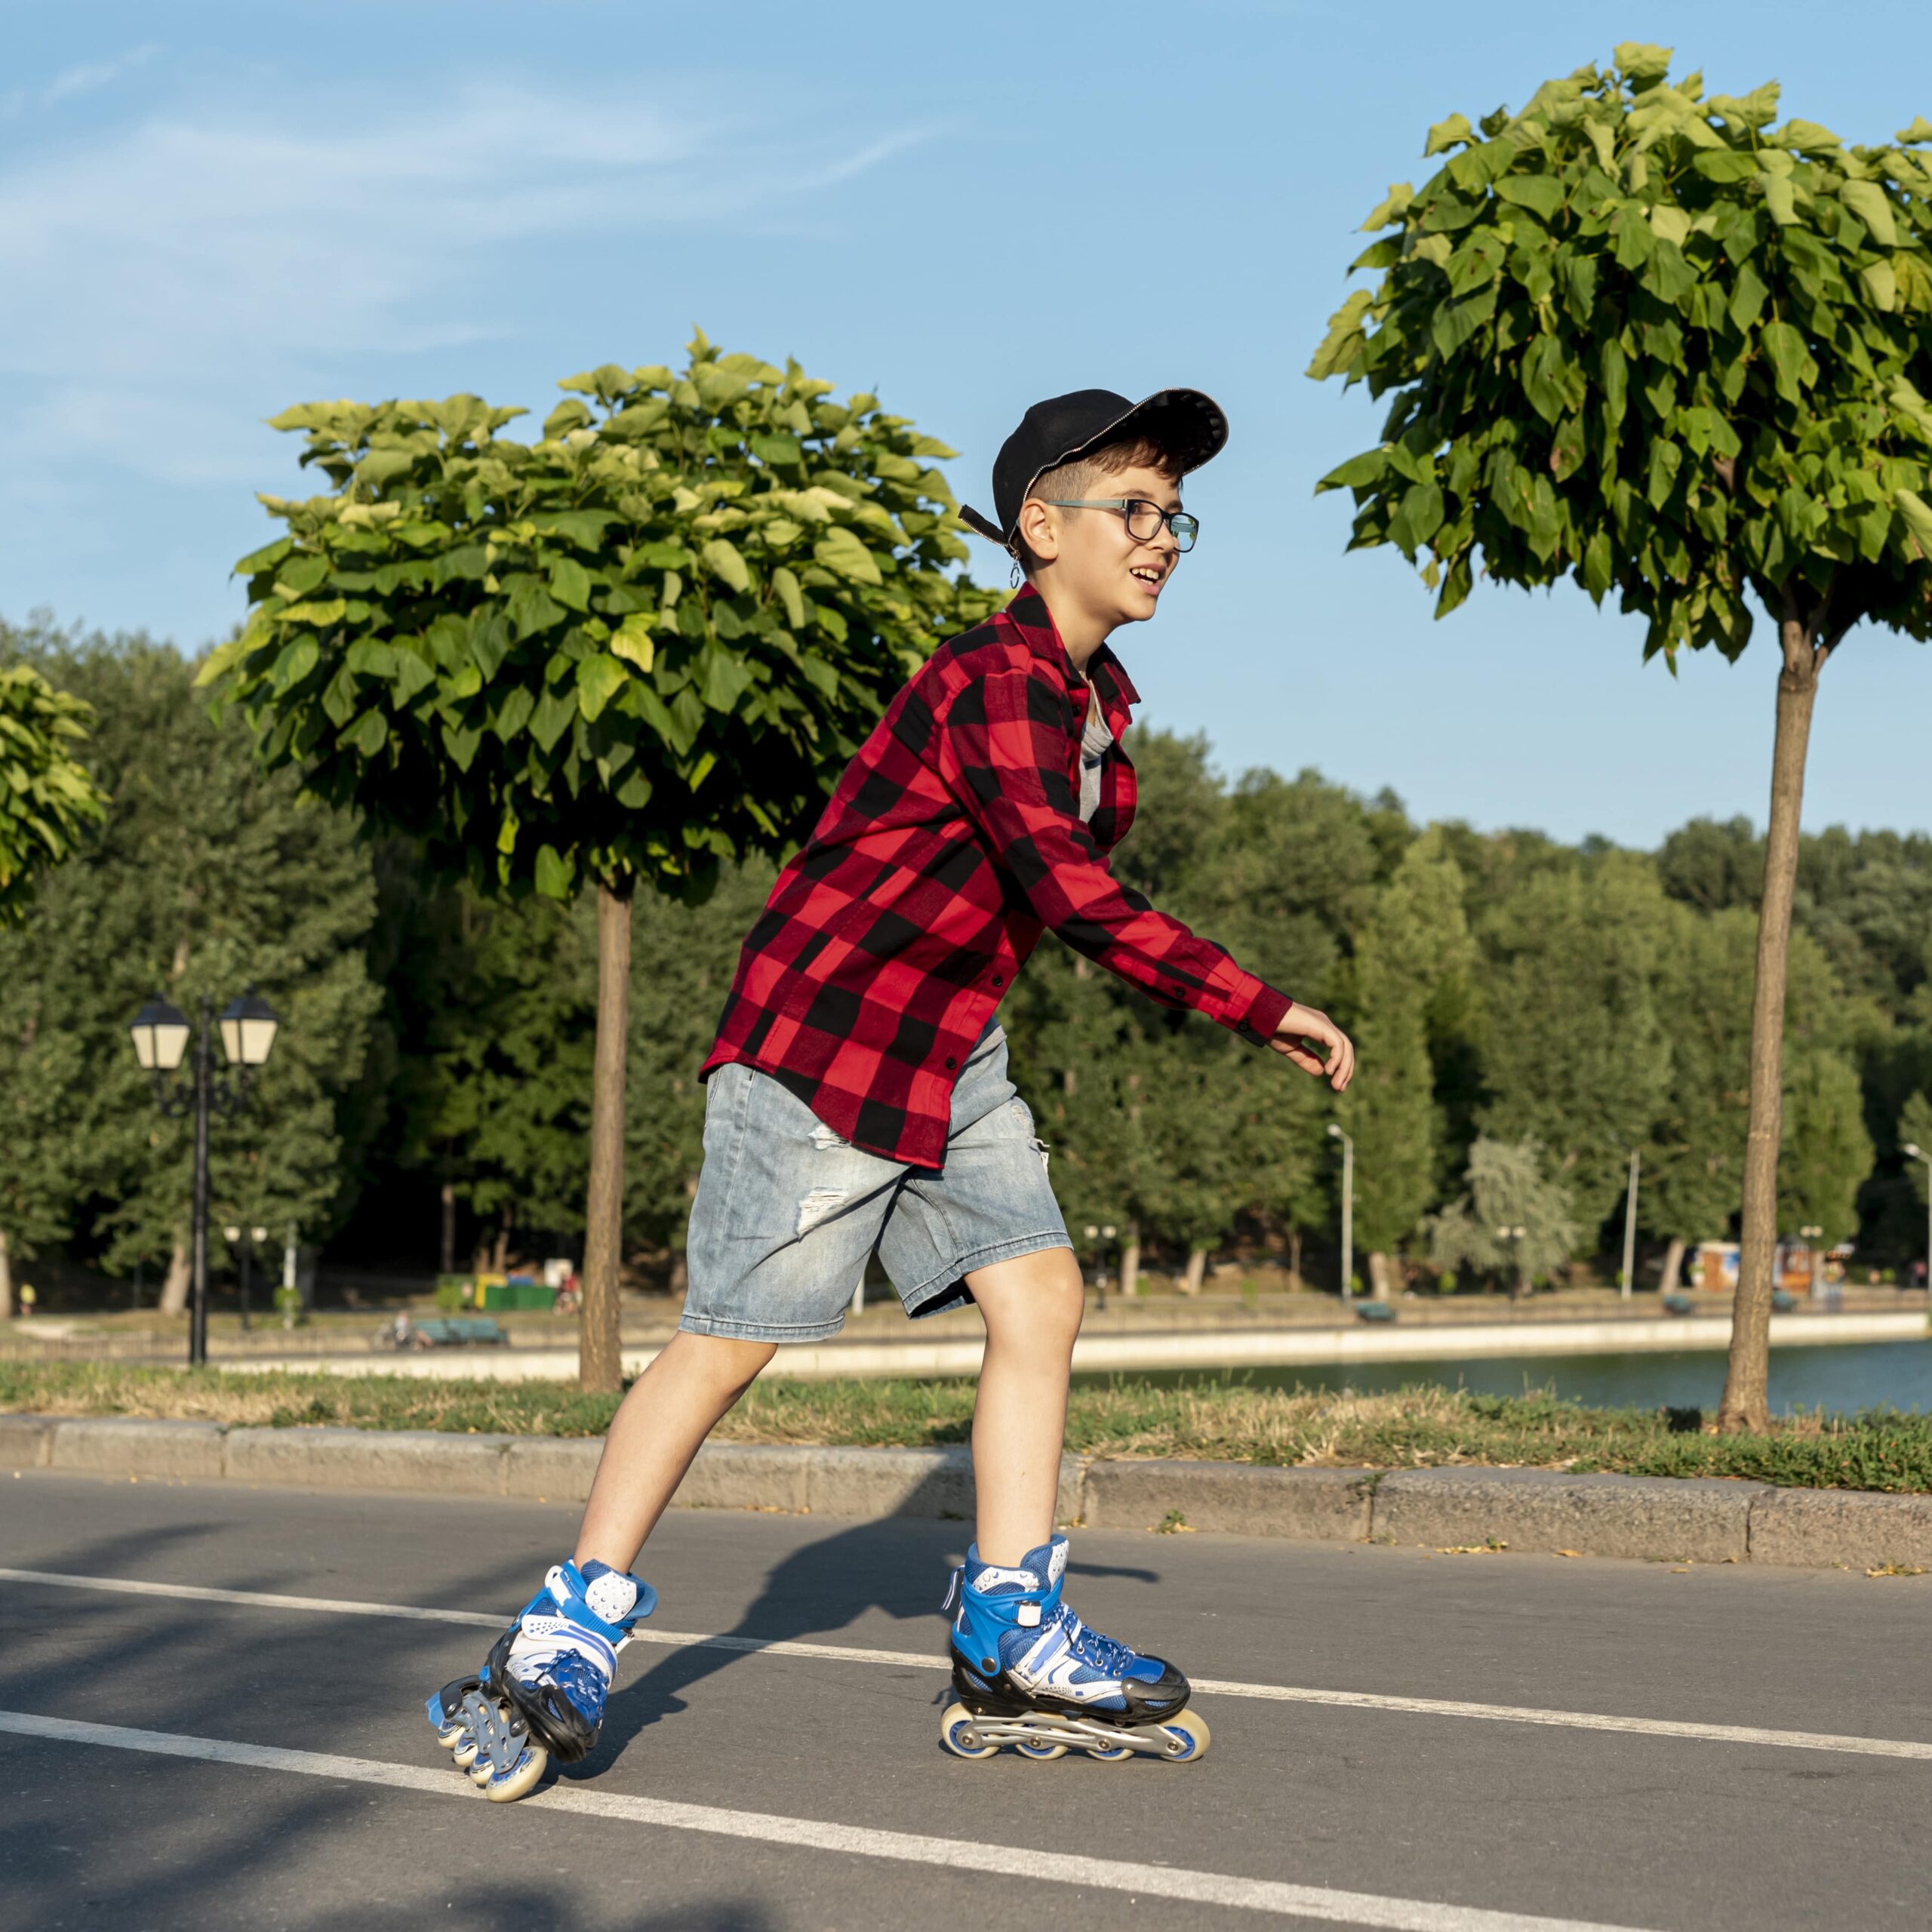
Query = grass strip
x=1215 y=1418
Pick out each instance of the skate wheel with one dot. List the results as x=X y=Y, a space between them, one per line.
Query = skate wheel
x=521 y=1778
x=1185 y=1738
x=1110 y=1755
x=956 y=1734
x=463 y=1748
x=1041 y=1752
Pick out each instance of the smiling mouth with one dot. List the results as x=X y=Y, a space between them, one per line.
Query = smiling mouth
x=1152 y=579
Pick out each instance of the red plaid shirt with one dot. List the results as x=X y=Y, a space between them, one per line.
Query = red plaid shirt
x=953 y=841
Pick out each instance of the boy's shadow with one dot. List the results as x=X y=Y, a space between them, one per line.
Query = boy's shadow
x=896 y=1564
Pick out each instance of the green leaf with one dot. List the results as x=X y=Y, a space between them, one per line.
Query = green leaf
x=1340 y=348
x=1919 y=132
x=785 y=585
x=1869 y=201
x=1544 y=370
x=1615 y=383
x=1747 y=298
x=555 y=876
x=1727 y=167
x=781 y=452
x=726 y=563
x=1789 y=358
x=1918 y=515
x=531 y=608
x=570 y=583
x=723 y=677
x=1454 y=132
x=1780 y=199
x=555 y=711
x=368 y=734
x=842 y=553
x=1639 y=61
x=513 y=713
x=1881 y=286
x=1455 y=322
x=598 y=680
x=1541 y=194
x=631 y=641
x=1386 y=212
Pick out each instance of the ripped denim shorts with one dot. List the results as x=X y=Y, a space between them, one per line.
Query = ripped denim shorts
x=788 y=1214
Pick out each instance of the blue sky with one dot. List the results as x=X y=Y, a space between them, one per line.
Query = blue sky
x=209 y=211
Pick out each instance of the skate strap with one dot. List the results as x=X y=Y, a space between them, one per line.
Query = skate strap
x=952 y=1584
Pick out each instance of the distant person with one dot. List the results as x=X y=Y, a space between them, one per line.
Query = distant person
x=858 y=1102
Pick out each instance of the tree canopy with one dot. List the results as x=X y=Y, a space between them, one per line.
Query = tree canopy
x=644 y=644
x=47 y=799
x=1660 y=344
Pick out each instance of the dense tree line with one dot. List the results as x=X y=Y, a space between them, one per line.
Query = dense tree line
x=1528 y=1013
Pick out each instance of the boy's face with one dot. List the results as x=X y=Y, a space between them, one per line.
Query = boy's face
x=1096 y=566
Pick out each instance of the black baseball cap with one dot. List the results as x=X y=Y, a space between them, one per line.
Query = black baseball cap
x=1189 y=425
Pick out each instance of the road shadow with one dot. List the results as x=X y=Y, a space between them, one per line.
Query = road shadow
x=899 y=1564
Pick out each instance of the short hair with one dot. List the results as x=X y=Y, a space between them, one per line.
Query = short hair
x=1081 y=477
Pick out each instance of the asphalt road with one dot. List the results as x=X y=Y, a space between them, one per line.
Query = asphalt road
x=174 y=1761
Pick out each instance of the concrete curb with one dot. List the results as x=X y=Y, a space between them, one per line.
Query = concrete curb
x=1696 y=1519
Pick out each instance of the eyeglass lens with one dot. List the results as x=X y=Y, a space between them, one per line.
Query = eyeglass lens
x=1144 y=521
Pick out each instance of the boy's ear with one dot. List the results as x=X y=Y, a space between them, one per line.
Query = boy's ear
x=1038 y=529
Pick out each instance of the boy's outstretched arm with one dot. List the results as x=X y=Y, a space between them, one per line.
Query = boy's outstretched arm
x=1003 y=763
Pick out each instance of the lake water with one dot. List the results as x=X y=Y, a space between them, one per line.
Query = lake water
x=1842 y=1378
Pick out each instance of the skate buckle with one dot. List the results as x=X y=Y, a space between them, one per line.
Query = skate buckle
x=1028 y=1616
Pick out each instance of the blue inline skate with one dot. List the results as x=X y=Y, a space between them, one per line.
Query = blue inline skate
x=540 y=1693
x=1029 y=1673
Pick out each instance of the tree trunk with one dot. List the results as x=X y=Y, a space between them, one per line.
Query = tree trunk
x=1197 y=1266
x=446 y=1252
x=499 y=1255
x=6 y=1278
x=174 y=1285
x=1378 y=1276
x=1295 y=1284
x=600 y=1368
x=1745 y=1405
x=1673 y=1266
x=1129 y=1261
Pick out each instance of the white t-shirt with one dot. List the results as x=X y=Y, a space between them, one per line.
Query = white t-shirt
x=1094 y=743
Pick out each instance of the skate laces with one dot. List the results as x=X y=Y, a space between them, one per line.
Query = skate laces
x=1104 y=1654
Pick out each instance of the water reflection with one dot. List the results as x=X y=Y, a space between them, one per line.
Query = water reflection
x=1841 y=1377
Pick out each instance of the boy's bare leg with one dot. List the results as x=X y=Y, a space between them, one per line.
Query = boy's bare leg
x=674 y=1405
x=1032 y=1307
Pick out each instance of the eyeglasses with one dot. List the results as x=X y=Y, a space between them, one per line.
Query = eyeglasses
x=1143 y=520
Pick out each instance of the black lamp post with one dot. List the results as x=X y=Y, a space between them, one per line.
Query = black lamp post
x=160 y=1033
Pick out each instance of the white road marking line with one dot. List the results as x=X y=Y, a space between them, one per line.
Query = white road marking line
x=1198 y=1888
x=1283 y=1694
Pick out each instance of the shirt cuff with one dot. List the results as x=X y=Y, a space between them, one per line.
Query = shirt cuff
x=1267 y=1007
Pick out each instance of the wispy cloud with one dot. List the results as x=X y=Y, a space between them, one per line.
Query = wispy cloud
x=91 y=75
x=162 y=269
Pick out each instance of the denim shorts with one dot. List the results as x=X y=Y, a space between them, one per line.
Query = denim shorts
x=788 y=1214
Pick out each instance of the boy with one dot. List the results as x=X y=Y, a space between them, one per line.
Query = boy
x=857 y=1102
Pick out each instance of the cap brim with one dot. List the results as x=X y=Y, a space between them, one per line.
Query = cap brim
x=1189 y=424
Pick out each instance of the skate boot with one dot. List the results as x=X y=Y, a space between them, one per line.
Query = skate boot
x=541 y=1691
x=1029 y=1673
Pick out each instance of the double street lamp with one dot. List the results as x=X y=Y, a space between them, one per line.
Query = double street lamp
x=160 y=1034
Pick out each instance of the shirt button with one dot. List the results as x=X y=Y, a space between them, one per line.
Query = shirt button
x=951 y=1063
x=998 y=981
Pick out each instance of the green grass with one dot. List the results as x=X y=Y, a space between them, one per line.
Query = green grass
x=1421 y=1427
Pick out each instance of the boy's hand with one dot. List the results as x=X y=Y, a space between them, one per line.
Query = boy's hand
x=1315 y=1044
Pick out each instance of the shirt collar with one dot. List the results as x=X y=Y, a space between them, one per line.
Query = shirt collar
x=1028 y=613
